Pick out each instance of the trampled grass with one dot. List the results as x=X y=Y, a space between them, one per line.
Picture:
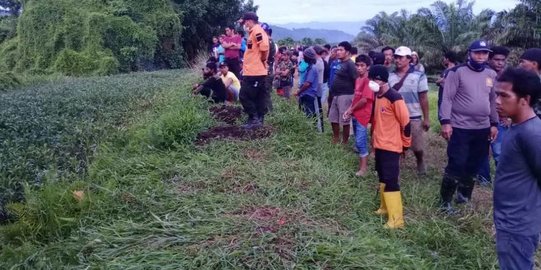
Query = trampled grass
x=154 y=200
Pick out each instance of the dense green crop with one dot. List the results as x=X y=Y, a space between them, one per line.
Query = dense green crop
x=52 y=130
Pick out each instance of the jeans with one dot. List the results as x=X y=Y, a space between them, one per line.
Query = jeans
x=310 y=107
x=516 y=251
x=361 y=137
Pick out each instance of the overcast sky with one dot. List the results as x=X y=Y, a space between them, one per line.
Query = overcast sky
x=286 y=11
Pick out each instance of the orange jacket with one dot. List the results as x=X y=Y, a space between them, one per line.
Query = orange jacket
x=391 y=123
x=257 y=51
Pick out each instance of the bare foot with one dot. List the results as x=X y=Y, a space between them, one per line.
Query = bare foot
x=360 y=173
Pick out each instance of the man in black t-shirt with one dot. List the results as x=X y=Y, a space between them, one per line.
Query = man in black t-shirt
x=342 y=90
x=213 y=86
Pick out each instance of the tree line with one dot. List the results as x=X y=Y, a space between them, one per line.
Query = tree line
x=443 y=27
x=101 y=37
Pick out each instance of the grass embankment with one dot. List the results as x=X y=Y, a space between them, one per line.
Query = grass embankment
x=154 y=200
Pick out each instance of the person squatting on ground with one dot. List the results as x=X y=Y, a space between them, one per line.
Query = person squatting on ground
x=361 y=109
x=308 y=92
x=342 y=90
x=213 y=86
x=497 y=60
x=517 y=187
x=231 y=82
x=390 y=137
x=413 y=86
x=469 y=123
x=253 y=91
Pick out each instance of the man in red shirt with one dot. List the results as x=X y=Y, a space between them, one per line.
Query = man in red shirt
x=361 y=109
x=232 y=43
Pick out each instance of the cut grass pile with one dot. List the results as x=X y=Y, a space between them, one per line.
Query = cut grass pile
x=156 y=200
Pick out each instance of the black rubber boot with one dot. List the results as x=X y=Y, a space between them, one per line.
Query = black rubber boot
x=464 y=190
x=448 y=187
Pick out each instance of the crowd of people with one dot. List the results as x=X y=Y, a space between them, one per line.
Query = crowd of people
x=382 y=96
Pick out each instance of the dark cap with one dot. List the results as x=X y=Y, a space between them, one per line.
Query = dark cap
x=223 y=64
x=533 y=54
x=377 y=58
x=309 y=53
x=479 y=46
x=378 y=72
x=250 y=16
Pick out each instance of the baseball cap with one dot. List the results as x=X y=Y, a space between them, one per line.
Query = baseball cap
x=378 y=72
x=265 y=26
x=223 y=64
x=402 y=51
x=533 y=54
x=479 y=46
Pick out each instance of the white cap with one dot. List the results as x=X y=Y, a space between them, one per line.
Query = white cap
x=402 y=51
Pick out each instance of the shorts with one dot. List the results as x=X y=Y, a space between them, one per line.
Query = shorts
x=339 y=106
x=417 y=135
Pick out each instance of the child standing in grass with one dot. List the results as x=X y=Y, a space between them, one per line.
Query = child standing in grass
x=391 y=136
x=361 y=109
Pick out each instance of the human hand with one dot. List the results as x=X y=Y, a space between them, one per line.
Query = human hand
x=493 y=133
x=347 y=114
x=446 y=131
x=426 y=124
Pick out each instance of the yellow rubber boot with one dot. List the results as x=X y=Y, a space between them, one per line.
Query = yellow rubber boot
x=393 y=201
x=382 y=209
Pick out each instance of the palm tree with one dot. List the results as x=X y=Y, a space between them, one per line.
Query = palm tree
x=519 y=27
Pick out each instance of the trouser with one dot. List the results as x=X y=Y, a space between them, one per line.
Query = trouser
x=320 y=123
x=234 y=66
x=496 y=147
x=268 y=86
x=516 y=251
x=311 y=107
x=466 y=151
x=388 y=169
x=253 y=96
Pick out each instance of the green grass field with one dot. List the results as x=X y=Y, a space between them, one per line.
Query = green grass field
x=155 y=200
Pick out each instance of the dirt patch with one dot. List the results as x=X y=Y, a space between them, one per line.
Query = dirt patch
x=255 y=154
x=233 y=132
x=227 y=114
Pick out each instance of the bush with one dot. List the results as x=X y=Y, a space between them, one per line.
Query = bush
x=8 y=80
x=95 y=38
x=180 y=125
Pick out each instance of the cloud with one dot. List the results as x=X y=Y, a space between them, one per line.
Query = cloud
x=286 y=11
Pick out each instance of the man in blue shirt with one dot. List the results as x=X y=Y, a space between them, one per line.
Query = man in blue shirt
x=308 y=91
x=517 y=188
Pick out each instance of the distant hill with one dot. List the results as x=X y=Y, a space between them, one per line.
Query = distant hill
x=352 y=28
x=331 y=36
